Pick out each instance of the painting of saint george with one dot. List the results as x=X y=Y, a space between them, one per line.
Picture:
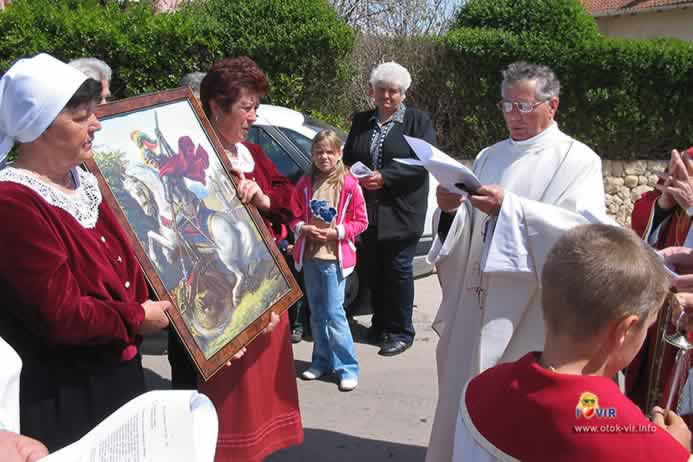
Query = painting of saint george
x=158 y=164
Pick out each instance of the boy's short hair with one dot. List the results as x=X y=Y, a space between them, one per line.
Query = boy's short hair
x=597 y=273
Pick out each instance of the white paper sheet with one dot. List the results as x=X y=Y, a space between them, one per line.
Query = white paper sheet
x=450 y=173
x=360 y=170
x=171 y=426
x=10 y=369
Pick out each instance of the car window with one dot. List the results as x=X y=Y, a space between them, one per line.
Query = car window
x=301 y=141
x=282 y=160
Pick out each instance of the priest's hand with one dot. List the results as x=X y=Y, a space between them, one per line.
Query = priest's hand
x=488 y=199
x=681 y=259
x=448 y=201
x=683 y=283
x=20 y=448
x=676 y=255
x=673 y=424
x=155 y=317
x=678 y=182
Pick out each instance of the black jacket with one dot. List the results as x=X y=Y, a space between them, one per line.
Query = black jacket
x=399 y=208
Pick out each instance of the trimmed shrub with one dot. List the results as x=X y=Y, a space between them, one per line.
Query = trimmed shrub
x=566 y=20
x=301 y=44
x=627 y=99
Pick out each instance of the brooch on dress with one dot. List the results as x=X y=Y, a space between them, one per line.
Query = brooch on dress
x=322 y=210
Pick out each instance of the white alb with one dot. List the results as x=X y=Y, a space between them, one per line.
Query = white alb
x=490 y=267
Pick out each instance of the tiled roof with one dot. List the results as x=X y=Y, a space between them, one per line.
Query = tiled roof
x=599 y=7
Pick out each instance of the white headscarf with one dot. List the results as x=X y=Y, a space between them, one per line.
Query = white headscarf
x=32 y=94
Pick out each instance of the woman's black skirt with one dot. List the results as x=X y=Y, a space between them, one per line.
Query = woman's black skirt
x=61 y=400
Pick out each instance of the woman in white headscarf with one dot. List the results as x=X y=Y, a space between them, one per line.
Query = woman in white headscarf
x=73 y=299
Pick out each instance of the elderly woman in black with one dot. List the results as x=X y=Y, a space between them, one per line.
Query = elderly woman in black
x=396 y=199
x=74 y=299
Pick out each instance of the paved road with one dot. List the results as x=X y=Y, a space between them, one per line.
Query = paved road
x=387 y=418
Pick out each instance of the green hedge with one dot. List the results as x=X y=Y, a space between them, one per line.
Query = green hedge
x=301 y=44
x=627 y=99
x=564 y=20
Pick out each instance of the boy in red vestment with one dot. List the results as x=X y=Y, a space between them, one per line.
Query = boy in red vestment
x=601 y=289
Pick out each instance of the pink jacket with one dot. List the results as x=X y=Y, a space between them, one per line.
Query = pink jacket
x=351 y=218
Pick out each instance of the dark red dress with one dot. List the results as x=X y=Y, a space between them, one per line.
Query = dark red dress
x=70 y=306
x=256 y=397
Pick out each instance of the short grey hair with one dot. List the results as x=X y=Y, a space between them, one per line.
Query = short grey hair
x=93 y=67
x=193 y=80
x=391 y=73
x=547 y=84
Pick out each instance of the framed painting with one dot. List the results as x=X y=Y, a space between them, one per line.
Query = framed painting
x=165 y=174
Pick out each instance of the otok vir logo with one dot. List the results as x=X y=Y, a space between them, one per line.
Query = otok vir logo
x=588 y=407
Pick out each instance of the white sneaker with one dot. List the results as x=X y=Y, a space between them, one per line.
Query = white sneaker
x=311 y=374
x=348 y=384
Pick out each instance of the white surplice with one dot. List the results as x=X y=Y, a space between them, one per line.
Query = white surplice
x=10 y=368
x=489 y=267
x=471 y=446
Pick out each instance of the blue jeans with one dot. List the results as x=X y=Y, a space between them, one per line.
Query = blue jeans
x=333 y=346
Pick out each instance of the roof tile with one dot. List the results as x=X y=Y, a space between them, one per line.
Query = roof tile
x=629 y=6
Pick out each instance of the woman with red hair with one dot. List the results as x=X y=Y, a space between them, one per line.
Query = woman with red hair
x=255 y=395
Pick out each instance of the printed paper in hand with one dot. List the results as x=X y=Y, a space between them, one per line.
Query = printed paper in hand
x=360 y=170
x=451 y=174
x=175 y=426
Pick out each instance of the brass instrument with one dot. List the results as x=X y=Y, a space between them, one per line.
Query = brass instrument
x=671 y=335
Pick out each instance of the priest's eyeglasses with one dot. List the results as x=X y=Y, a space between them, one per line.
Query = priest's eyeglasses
x=522 y=106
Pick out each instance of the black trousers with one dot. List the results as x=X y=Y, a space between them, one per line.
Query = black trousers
x=183 y=371
x=299 y=313
x=387 y=270
x=61 y=400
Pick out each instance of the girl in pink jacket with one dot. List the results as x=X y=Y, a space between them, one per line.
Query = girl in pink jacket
x=333 y=214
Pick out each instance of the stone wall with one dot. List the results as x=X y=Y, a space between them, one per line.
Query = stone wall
x=625 y=182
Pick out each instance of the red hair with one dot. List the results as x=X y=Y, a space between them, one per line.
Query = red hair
x=226 y=78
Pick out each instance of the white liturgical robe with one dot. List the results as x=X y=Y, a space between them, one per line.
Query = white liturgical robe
x=10 y=367
x=489 y=268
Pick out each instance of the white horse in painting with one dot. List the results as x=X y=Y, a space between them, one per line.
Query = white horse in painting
x=236 y=244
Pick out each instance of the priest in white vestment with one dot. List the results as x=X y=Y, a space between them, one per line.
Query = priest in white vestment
x=491 y=246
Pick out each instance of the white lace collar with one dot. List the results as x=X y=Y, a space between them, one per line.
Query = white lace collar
x=82 y=204
x=244 y=161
